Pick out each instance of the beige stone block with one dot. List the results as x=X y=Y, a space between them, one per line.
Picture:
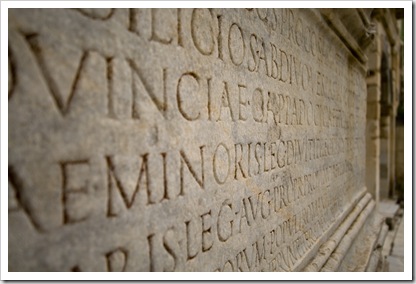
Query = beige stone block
x=373 y=79
x=373 y=110
x=385 y=121
x=385 y=131
x=373 y=93
x=373 y=128
x=373 y=148
x=374 y=61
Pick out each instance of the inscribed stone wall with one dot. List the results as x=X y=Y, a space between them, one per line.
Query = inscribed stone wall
x=179 y=139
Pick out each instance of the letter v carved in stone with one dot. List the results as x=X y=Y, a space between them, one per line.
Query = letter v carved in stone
x=61 y=99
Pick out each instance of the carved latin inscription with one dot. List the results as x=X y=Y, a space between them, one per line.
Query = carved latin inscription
x=178 y=139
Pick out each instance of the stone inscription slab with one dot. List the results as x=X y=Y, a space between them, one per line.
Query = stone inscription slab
x=178 y=139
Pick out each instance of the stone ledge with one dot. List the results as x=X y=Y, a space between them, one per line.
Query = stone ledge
x=340 y=254
x=362 y=250
x=326 y=249
x=356 y=244
x=314 y=251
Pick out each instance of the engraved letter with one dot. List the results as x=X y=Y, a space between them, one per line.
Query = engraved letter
x=74 y=182
x=12 y=73
x=160 y=104
x=187 y=77
x=62 y=103
x=155 y=36
x=241 y=103
x=20 y=200
x=185 y=160
x=207 y=240
x=189 y=235
x=258 y=105
x=202 y=39
x=114 y=181
x=97 y=14
x=237 y=51
x=215 y=160
x=167 y=244
x=116 y=260
x=225 y=103
x=224 y=233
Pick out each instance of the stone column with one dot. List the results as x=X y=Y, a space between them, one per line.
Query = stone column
x=373 y=116
x=385 y=119
x=399 y=166
x=395 y=103
x=384 y=156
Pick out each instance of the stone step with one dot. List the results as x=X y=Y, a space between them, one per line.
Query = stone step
x=390 y=210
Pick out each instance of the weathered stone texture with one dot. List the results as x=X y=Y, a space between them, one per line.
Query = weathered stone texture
x=183 y=139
